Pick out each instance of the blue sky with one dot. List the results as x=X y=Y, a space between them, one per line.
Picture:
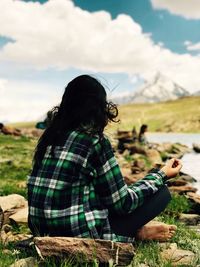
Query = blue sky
x=44 y=44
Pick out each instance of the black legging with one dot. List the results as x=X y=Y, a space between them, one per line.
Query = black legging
x=127 y=225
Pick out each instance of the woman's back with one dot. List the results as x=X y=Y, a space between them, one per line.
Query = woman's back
x=56 y=189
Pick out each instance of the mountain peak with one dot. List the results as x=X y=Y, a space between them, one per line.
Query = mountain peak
x=159 y=89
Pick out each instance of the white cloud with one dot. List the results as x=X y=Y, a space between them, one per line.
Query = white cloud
x=25 y=101
x=189 y=9
x=3 y=83
x=192 y=47
x=57 y=34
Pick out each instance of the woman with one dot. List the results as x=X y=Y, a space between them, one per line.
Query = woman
x=142 y=137
x=76 y=187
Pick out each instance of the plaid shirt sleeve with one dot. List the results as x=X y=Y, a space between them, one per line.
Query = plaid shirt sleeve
x=109 y=183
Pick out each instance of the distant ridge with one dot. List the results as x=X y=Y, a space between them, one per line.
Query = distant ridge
x=181 y=115
x=197 y=93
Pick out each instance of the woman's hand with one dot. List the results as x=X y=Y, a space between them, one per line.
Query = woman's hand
x=172 y=167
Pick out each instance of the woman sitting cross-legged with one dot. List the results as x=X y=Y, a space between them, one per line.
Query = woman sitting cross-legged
x=76 y=188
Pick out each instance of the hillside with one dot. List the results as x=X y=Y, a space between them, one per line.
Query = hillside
x=182 y=115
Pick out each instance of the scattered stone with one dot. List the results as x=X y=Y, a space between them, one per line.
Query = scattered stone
x=7 y=252
x=134 y=148
x=164 y=147
x=27 y=262
x=10 y=237
x=172 y=150
x=7 y=214
x=6 y=235
x=167 y=245
x=182 y=189
x=139 y=176
x=195 y=228
x=154 y=156
x=195 y=200
x=122 y=142
x=178 y=257
x=12 y=201
x=195 y=197
x=122 y=162
x=124 y=134
x=126 y=153
x=128 y=177
x=189 y=219
x=196 y=148
x=177 y=182
x=22 y=184
x=135 y=169
x=21 y=216
x=131 y=178
x=140 y=163
x=179 y=149
x=32 y=132
x=138 y=166
x=6 y=228
x=187 y=177
x=136 y=156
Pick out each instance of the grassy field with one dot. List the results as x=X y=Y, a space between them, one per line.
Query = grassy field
x=182 y=115
x=27 y=125
x=16 y=157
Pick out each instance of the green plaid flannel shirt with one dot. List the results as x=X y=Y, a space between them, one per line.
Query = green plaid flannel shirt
x=77 y=186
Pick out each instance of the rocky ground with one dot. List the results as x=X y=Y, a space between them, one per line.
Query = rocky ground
x=135 y=162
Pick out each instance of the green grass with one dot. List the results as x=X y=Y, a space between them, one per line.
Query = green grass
x=181 y=115
x=16 y=157
x=17 y=153
x=29 y=124
x=179 y=204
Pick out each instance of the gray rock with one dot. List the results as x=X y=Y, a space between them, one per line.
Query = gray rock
x=195 y=200
x=21 y=216
x=12 y=201
x=27 y=262
x=154 y=156
x=182 y=189
x=187 y=178
x=189 y=219
x=195 y=228
x=178 y=257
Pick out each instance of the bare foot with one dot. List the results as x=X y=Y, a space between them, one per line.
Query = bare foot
x=156 y=231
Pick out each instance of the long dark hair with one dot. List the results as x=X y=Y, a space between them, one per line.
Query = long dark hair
x=84 y=107
x=143 y=129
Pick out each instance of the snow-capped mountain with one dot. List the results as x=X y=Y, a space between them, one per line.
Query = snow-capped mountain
x=196 y=93
x=158 y=90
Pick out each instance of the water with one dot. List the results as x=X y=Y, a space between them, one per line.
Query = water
x=191 y=160
x=183 y=138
